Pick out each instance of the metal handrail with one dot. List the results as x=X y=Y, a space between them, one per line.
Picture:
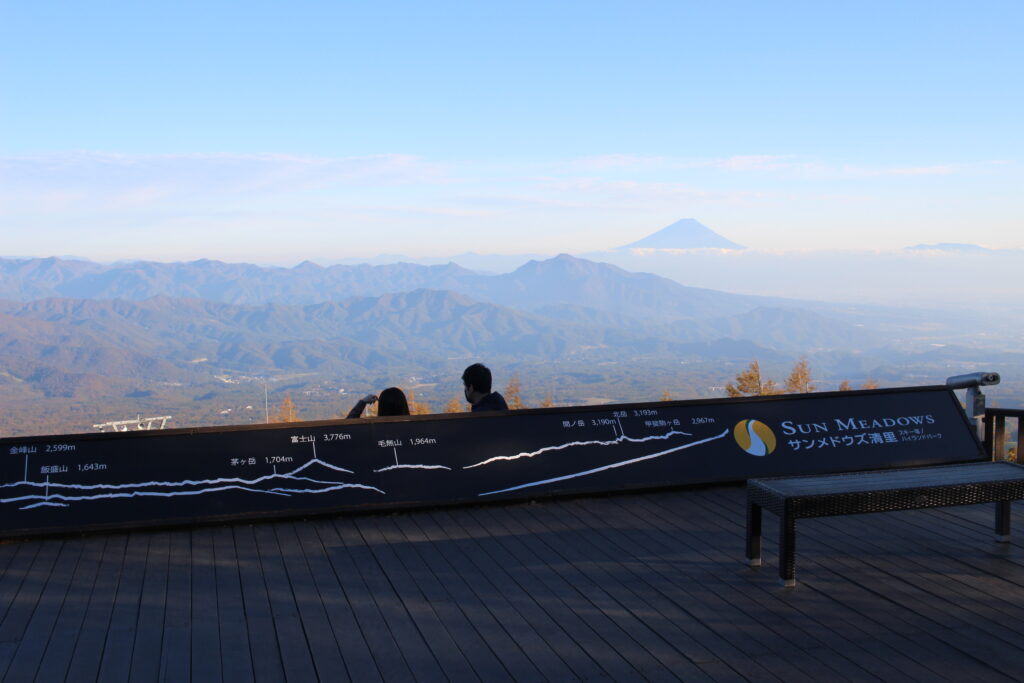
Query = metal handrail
x=995 y=430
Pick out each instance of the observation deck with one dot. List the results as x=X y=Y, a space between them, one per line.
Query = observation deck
x=649 y=586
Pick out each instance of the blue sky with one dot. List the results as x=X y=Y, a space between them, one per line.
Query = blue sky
x=275 y=132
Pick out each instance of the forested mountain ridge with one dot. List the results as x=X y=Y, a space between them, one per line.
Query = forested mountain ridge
x=185 y=340
x=561 y=280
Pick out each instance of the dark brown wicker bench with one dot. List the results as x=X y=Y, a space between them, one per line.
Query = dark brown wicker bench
x=880 y=491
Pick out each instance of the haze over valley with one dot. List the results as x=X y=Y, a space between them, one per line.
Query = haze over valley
x=84 y=342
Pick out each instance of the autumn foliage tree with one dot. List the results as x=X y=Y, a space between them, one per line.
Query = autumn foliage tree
x=548 y=401
x=416 y=407
x=799 y=380
x=455 y=405
x=868 y=384
x=513 y=394
x=286 y=412
x=751 y=383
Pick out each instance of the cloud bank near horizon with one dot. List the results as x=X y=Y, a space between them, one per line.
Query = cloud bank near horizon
x=281 y=208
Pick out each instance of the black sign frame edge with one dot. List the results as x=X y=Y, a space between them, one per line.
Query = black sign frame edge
x=432 y=417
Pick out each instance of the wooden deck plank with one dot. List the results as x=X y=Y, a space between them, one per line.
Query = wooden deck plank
x=292 y=641
x=319 y=635
x=955 y=601
x=117 y=651
x=44 y=615
x=259 y=619
x=146 y=650
x=584 y=605
x=355 y=652
x=827 y=625
x=15 y=558
x=235 y=654
x=944 y=662
x=1006 y=661
x=206 y=664
x=549 y=647
x=26 y=593
x=61 y=646
x=892 y=587
x=853 y=590
x=421 y=660
x=485 y=663
x=963 y=577
x=8 y=551
x=493 y=617
x=695 y=603
x=610 y=587
x=864 y=651
x=387 y=654
x=88 y=654
x=575 y=642
x=175 y=659
x=645 y=651
x=729 y=592
x=458 y=648
x=22 y=594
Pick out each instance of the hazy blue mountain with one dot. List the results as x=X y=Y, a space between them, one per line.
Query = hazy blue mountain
x=486 y=264
x=791 y=330
x=569 y=280
x=560 y=280
x=237 y=283
x=951 y=246
x=687 y=233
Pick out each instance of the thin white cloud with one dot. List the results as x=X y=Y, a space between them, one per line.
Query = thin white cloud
x=943 y=169
x=787 y=164
x=604 y=191
x=137 y=180
x=754 y=162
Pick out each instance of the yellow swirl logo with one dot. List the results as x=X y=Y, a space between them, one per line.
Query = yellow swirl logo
x=754 y=437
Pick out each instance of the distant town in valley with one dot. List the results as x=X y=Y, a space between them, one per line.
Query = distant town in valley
x=214 y=343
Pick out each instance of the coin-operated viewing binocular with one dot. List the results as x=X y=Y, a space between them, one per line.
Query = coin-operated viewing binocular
x=971 y=382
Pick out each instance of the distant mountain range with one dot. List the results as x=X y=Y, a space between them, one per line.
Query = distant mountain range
x=82 y=330
x=187 y=322
x=560 y=280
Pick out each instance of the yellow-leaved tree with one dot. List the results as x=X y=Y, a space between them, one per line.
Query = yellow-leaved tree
x=286 y=412
x=416 y=407
x=513 y=394
x=799 y=380
x=455 y=405
x=750 y=383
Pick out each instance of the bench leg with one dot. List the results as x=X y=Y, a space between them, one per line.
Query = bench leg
x=1003 y=521
x=753 y=534
x=787 y=549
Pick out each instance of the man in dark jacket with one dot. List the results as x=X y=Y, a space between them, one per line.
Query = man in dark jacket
x=477 y=381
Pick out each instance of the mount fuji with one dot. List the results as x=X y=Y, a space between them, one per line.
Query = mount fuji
x=684 y=234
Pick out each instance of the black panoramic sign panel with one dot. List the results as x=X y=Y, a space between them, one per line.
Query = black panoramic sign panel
x=50 y=484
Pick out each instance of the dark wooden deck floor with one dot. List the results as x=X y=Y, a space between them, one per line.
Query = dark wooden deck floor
x=621 y=588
